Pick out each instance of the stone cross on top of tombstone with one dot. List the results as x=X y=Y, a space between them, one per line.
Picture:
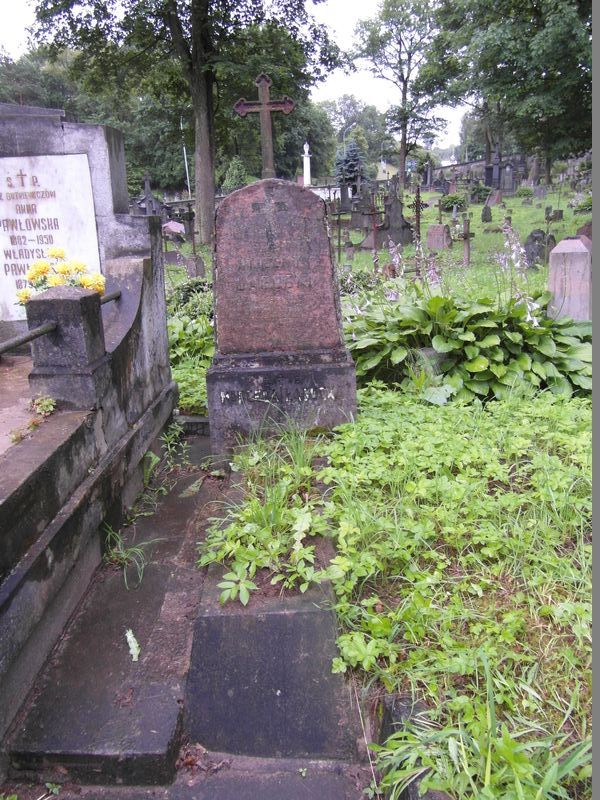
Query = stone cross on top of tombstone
x=265 y=106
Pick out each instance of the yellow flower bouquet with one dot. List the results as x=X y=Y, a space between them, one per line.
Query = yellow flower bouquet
x=55 y=270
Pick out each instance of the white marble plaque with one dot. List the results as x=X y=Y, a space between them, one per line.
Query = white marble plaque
x=45 y=201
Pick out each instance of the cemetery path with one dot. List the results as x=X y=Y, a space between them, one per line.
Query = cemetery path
x=99 y=715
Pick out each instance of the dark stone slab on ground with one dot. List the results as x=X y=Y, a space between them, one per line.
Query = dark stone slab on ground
x=260 y=682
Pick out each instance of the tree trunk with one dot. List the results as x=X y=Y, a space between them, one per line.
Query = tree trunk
x=402 y=159
x=403 y=134
x=534 y=172
x=548 y=165
x=488 y=144
x=204 y=157
x=195 y=59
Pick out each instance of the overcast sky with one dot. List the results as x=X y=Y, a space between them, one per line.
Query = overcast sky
x=340 y=16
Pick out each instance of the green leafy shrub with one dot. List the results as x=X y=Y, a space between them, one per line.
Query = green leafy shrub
x=484 y=351
x=524 y=191
x=479 y=193
x=448 y=201
x=584 y=206
x=236 y=176
x=354 y=282
x=192 y=291
x=191 y=348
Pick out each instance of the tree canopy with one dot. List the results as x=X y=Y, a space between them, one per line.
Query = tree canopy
x=132 y=36
x=394 y=43
x=525 y=65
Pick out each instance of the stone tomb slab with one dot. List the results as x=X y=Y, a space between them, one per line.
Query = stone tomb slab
x=280 y=353
x=260 y=681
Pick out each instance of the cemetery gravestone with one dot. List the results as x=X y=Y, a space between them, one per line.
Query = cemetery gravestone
x=585 y=230
x=486 y=214
x=360 y=218
x=570 y=279
x=348 y=246
x=494 y=199
x=399 y=230
x=280 y=353
x=537 y=247
x=438 y=238
x=63 y=185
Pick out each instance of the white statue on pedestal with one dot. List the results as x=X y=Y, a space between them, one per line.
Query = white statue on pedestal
x=307 y=178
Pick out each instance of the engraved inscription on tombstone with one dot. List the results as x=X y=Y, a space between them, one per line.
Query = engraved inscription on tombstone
x=45 y=201
x=280 y=352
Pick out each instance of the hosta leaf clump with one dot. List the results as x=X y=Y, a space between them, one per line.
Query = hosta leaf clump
x=485 y=351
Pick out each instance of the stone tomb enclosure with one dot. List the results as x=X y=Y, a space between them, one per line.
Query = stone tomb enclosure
x=63 y=185
x=280 y=353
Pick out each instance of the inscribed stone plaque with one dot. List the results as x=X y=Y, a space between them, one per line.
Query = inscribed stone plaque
x=274 y=280
x=45 y=201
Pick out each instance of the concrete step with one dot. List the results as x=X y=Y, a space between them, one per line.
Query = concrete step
x=219 y=776
x=94 y=711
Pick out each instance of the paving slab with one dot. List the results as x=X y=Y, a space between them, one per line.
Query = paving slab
x=220 y=776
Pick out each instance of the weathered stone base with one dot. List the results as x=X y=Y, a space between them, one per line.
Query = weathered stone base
x=249 y=394
x=260 y=680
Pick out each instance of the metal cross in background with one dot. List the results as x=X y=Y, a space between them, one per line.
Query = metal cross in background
x=264 y=106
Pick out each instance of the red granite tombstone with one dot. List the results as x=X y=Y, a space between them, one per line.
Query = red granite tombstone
x=280 y=353
x=438 y=238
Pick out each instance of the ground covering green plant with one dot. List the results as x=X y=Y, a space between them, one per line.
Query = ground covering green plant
x=448 y=201
x=191 y=341
x=487 y=346
x=584 y=206
x=485 y=350
x=43 y=405
x=462 y=576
